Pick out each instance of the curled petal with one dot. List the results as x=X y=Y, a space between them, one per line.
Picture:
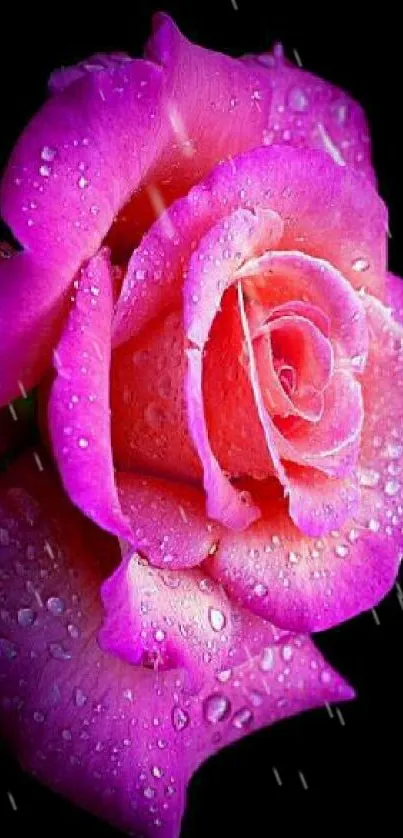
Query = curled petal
x=281 y=278
x=309 y=584
x=210 y=274
x=168 y=520
x=322 y=206
x=78 y=410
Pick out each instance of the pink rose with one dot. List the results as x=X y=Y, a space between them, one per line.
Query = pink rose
x=203 y=298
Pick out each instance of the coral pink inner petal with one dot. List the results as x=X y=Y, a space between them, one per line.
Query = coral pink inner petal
x=78 y=411
x=168 y=519
x=210 y=272
x=279 y=278
x=311 y=583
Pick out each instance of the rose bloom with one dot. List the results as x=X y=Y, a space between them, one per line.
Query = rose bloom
x=202 y=298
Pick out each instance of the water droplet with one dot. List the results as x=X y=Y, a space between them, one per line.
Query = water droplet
x=73 y=631
x=7 y=649
x=392 y=487
x=373 y=525
x=341 y=550
x=67 y=735
x=55 y=605
x=297 y=99
x=206 y=586
x=26 y=617
x=149 y=792
x=267 y=660
x=45 y=171
x=157 y=772
x=82 y=182
x=325 y=676
x=79 y=697
x=159 y=635
x=260 y=590
x=224 y=675
x=242 y=718
x=48 y=154
x=4 y=537
x=58 y=652
x=216 y=619
x=216 y=708
x=83 y=442
x=180 y=718
x=369 y=477
x=360 y=265
x=256 y=698
x=38 y=717
x=287 y=653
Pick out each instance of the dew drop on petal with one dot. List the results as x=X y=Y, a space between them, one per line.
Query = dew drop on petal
x=297 y=99
x=216 y=708
x=55 y=605
x=267 y=659
x=180 y=718
x=26 y=617
x=48 y=154
x=392 y=487
x=242 y=718
x=360 y=265
x=216 y=619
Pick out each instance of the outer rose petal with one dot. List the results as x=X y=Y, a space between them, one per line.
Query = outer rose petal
x=168 y=519
x=307 y=584
x=78 y=412
x=395 y=296
x=73 y=168
x=307 y=111
x=116 y=739
x=328 y=212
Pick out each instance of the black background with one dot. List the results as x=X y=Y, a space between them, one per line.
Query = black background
x=351 y=762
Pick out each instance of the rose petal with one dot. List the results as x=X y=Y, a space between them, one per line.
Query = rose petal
x=71 y=171
x=78 y=411
x=116 y=739
x=168 y=520
x=332 y=444
x=60 y=79
x=395 y=296
x=308 y=111
x=309 y=584
x=331 y=213
x=210 y=272
x=148 y=409
x=166 y=619
x=283 y=278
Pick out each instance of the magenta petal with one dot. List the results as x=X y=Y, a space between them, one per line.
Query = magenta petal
x=395 y=296
x=78 y=411
x=168 y=520
x=117 y=739
x=308 y=111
